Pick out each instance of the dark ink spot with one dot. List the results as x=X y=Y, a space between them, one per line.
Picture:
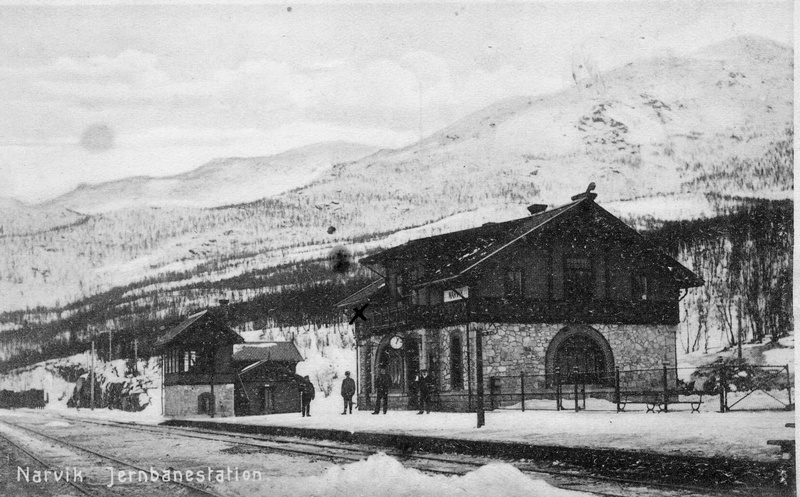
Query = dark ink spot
x=339 y=259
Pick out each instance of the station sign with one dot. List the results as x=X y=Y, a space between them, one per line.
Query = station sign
x=450 y=295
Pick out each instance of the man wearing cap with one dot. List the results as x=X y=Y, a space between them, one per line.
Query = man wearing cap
x=348 y=390
x=424 y=389
x=307 y=393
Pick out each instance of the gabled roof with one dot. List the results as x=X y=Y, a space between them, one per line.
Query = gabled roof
x=266 y=351
x=366 y=293
x=452 y=255
x=195 y=323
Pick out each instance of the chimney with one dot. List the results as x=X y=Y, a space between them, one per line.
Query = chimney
x=223 y=304
x=536 y=208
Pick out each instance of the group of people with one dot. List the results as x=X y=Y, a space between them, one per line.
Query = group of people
x=425 y=387
x=424 y=383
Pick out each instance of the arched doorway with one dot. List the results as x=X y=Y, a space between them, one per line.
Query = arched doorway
x=583 y=348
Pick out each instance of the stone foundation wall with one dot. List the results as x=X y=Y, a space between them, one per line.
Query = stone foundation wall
x=181 y=400
x=511 y=349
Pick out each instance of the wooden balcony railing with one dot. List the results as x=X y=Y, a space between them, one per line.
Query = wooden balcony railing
x=498 y=310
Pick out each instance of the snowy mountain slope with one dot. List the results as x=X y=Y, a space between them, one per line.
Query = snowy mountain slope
x=18 y=218
x=218 y=182
x=651 y=134
x=651 y=127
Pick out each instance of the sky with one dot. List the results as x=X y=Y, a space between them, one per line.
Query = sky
x=96 y=93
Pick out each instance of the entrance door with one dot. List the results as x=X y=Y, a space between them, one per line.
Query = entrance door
x=402 y=365
x=583 y=353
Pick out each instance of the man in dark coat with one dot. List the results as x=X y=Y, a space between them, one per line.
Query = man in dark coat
x=382 y=383
x=425 y=387
x=348 y=390
x=306 y=396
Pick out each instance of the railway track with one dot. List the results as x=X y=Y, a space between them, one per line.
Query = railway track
x=572 y=479
x=57 y=455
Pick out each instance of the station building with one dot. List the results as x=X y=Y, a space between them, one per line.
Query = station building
x=567 y=289
x=209 y=370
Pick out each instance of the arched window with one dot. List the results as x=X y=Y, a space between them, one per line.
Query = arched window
x=583 y=348
x=456 y=363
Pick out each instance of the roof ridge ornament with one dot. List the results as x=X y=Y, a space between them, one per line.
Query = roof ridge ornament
x=587 y=194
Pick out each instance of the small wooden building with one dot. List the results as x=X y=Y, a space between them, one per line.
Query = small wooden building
x=209 y=370
x=565 y=289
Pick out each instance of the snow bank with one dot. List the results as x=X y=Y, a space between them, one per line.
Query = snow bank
x=385 y=476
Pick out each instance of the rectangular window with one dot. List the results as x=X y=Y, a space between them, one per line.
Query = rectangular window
x=513 y=283
x=578 y=277
x=189 y=360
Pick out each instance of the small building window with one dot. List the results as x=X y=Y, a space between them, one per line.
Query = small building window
x=189 y=360
x=513 y=282
x=578 y=277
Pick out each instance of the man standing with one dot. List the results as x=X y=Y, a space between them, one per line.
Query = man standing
x=306 y=396
x=382 y=383
x=425 y=389
x=348 y=390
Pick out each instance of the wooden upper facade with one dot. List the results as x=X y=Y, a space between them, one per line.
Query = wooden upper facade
x=203 y=350
x=573 y=264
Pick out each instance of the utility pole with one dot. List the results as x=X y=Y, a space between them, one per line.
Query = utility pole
x=91 y=380
x=136 y=355
x=479 y=373
x=109 y=345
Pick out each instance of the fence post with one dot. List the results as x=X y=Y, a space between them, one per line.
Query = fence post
x=616 y=387
x=721 y=380
x=491 y=391
x=558 y=388
x=583 y=390
x=575 y=385
x=665 y=384
x=788 y=384
x=522 y=388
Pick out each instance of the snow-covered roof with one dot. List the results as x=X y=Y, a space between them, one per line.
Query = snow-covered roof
x=363 y=294
x=197 y=321
x=451 y=255
x=266 y=351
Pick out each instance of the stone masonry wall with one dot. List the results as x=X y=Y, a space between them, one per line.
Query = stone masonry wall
x=510 y=349
x=181 y=400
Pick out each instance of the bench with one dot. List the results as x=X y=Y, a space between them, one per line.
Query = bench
x=787 y=446
x=655 y=400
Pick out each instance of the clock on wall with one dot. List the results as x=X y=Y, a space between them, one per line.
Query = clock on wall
x=396 y=342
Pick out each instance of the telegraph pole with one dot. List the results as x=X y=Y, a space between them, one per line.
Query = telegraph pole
x=91 y=380
x=479 y=373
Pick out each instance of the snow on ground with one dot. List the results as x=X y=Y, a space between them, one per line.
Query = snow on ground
x=733 y=434
x=385 y=476
x=754 y=353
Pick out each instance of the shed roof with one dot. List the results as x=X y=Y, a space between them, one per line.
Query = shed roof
x=363 y=294
x=266 y=351
x=202 y=320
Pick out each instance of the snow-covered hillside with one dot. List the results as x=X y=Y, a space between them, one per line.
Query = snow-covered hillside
x=219 y=182
x=654 y=135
